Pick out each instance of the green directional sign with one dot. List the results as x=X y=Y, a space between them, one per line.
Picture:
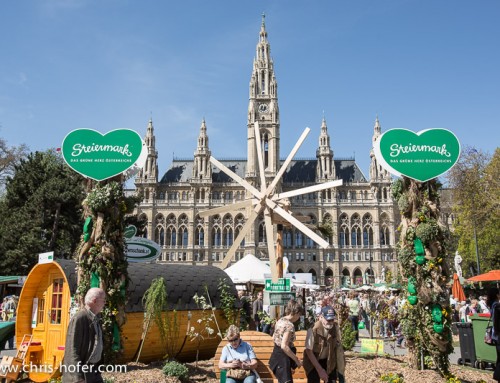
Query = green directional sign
x=283 y=285
x=280 y=299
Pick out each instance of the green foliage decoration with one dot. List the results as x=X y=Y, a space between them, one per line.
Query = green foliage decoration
x=403 y=203
x=406 y=257
x=228 y=302
x=397 y=188
x=326 y=228
x=155 y=301
x=103 y=255
x=265 y=318
x=426 y=315
x=428 y=231
x=348 y=336
x=176 y=369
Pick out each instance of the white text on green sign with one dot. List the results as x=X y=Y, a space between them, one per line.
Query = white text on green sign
x=283 y=285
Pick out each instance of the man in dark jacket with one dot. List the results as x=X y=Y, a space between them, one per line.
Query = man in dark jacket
x=84 y=343
x=257 y=307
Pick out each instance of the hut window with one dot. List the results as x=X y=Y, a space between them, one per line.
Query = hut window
x=41 y=310
x=57 y=295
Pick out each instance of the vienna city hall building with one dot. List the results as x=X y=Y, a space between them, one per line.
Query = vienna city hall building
x=361 y=212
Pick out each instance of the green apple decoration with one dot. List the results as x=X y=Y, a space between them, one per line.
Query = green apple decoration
x=420 y=259
x=413 y=300
x=438 y=327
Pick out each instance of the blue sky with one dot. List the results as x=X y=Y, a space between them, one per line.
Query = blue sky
x=110 y=64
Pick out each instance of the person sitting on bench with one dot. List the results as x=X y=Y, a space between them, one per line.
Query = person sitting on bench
x=238 y=358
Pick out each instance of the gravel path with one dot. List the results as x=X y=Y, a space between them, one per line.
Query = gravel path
x=359 y=369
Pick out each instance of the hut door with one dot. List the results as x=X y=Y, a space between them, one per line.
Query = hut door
x=55 y=316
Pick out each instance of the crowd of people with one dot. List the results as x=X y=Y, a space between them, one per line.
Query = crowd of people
x=8 y=307
x=325 y=311
x=321 y=313
x=379 y=310
x=8 y=314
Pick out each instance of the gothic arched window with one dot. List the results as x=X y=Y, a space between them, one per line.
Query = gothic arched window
x=200 y=236
x=183 y=231
x=160 y=235
x=262 y=233
x=344 y=230
x=367 y=230
x=171 y=236
x=384 y=230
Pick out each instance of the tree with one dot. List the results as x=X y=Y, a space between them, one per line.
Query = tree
x=9 y=158
x=476 y=207
x=41 y=211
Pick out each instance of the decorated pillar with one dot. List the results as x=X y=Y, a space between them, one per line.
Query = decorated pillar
x=106 y=160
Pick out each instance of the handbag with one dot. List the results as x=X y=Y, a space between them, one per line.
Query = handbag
x=361 y=324
x=238 y=373
x=488 y=335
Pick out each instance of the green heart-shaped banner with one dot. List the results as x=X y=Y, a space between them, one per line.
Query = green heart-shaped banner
x=422 y=156
x=101 y=156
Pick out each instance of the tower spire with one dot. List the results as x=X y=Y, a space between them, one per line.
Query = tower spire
x=325 y=169
x=263 y=107
x=377 y=172
x=263 y=33
x=150 y=171
x=146 y=179
x=201 y=167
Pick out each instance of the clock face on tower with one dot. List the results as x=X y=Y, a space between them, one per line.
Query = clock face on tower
x=263 y=108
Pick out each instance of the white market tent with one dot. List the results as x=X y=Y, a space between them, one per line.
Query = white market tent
x=249 y=269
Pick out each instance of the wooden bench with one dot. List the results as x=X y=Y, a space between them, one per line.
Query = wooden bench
x=263 y=345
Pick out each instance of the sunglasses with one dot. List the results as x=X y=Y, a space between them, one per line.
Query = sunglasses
x=234 y=339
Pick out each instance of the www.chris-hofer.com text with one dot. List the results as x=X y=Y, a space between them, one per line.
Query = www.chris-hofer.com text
x=72 y=368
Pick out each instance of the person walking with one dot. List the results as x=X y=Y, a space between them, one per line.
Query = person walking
x=364 y=305
x=238 y=358
x=283 y=358
x=84 y=342
x=324 y=355
x=493 y=302
x=353 y=305
x=257 y=307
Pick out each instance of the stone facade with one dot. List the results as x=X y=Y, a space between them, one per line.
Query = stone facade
x=361 y=212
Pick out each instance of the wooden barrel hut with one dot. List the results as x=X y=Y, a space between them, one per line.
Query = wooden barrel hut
x=46 y=301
